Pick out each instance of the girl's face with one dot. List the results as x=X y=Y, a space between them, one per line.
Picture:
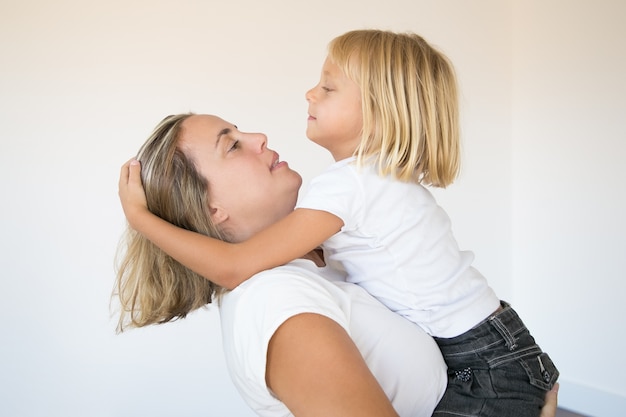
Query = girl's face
x=249 y=187
x=335 y=115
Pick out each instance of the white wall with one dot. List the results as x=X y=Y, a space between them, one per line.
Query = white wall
x=569 y=231
x=83 y=83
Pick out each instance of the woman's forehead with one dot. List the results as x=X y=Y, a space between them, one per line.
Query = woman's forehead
x=204 y=128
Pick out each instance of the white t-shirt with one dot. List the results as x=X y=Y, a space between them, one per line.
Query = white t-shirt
x=405 y=360
x=397 y=243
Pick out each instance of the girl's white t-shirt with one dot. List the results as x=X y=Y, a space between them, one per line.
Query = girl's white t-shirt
x=404 y=359
x=398 y=244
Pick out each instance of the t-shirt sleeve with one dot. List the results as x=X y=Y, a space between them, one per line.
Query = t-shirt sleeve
x=338 y=192
x=252 y=313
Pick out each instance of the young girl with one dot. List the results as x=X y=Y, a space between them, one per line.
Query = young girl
x=386 y=108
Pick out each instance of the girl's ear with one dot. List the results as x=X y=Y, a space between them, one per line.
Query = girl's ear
x=218 y=215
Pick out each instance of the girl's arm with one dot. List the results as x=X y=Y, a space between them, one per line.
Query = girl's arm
x=315 y=369
x=226 y=264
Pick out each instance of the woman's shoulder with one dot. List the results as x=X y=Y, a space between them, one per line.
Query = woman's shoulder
x=251 y=313
x=281 y=292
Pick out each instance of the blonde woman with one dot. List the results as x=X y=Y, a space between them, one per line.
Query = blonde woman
x=298 y=339
x=386 y=109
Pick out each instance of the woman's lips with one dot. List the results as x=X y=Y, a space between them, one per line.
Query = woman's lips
x=277 y=163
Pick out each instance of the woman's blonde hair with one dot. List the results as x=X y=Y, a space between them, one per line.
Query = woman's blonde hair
x=409 y=101
x=151 y=286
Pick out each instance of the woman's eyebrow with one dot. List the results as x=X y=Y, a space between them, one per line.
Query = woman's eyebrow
x=222 y=132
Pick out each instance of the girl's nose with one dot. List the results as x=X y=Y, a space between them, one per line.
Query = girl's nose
x=309 y=94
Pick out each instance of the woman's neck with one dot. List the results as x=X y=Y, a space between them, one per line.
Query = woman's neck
x=317 y=256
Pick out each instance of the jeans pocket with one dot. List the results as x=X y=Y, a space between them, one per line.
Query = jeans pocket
x=541 y=370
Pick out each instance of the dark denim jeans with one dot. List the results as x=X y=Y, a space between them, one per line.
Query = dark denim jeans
x=495 y=369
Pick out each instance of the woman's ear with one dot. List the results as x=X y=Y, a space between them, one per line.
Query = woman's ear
x=218 y=215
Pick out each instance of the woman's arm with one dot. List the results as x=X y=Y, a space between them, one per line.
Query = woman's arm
x=226 y=264
x=315 y=369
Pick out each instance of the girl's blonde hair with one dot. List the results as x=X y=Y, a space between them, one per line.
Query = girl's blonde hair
x=409 y=101
x=151 y=286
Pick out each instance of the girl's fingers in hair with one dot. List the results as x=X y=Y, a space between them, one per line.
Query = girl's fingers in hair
x=134 y=172
x=124 y=174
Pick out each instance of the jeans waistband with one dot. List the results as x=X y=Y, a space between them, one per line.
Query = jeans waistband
x=503 y=324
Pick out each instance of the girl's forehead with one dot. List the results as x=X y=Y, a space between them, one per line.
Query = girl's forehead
x=331 y=70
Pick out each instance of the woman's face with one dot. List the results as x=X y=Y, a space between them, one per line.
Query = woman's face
x=249 y=188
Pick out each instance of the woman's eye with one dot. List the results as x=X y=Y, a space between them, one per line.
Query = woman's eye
x=327 y=89
x=234 y=146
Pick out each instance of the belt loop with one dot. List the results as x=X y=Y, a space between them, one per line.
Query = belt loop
x=504 y=332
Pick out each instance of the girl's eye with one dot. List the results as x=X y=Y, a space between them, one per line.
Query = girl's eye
x=327 y=89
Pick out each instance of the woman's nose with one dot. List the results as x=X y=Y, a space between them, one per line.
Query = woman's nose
x=260 y=142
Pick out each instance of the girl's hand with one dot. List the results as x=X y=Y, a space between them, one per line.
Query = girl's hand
x=131 y=193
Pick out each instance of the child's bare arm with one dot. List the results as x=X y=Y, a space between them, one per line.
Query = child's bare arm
x=226 y=264
x=291 y=237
